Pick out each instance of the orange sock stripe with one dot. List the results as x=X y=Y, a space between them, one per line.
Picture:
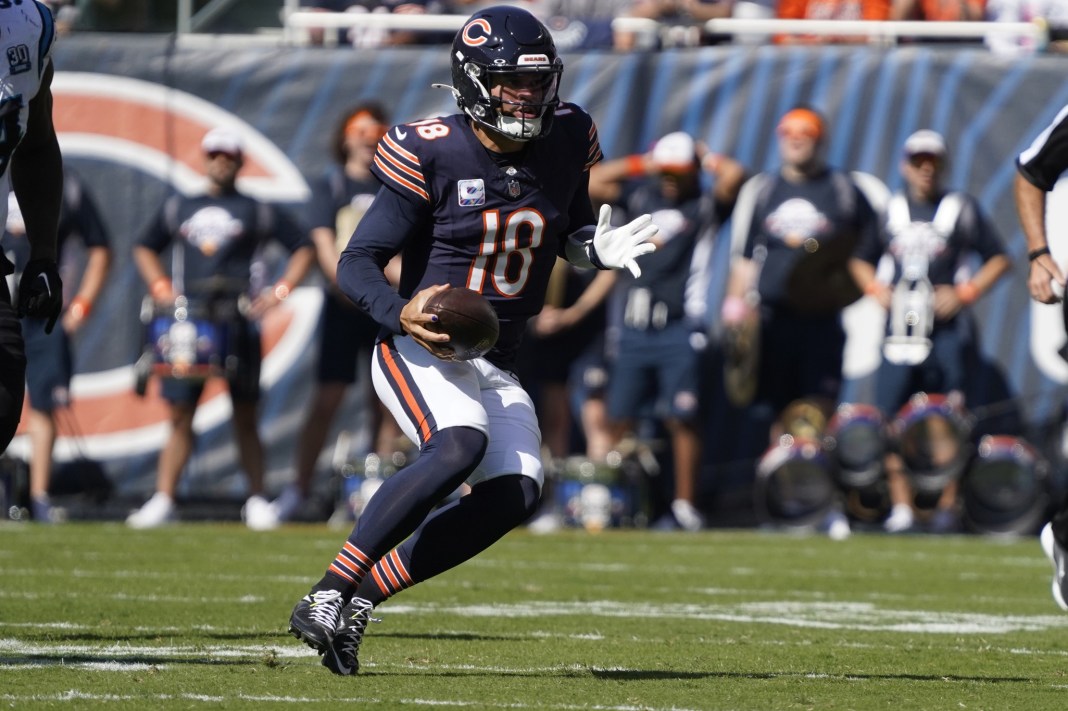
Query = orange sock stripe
x=380 y=582
x=336 y=570
x=355 y=570
x=351 y=563
x=350 y=569
x=395 y=560
x=358 y=555
x=385 y=567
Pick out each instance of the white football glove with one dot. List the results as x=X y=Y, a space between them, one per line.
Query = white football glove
x=620 y=247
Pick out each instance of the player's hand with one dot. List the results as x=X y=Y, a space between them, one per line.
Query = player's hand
x=620 y=247
x=41 y=292
x=1045 y=280
x=550 y=321
x=264 y=302
x=881 y=293
x=947 y=303
x=419 y=325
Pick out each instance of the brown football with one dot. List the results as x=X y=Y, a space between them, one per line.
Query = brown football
x=468 y=318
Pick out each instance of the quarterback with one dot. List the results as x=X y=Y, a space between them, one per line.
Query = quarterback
x=486 y=199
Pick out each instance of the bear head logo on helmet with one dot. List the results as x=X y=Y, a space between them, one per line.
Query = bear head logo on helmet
x=509 y=48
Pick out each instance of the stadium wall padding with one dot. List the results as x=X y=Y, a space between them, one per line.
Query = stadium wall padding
x=988 y=107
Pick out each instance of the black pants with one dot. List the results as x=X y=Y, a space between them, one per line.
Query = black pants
x=12 y=367
x=1060 y=518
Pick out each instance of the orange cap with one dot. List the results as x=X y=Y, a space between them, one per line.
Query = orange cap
x=801 y=121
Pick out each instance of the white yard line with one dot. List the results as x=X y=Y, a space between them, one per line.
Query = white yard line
x=828 y=614
x=74 y=695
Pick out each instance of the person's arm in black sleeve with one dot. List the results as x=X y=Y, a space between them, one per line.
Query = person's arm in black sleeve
x=37 y=180
x=147 y=250
x=388 y=225
x=293 y=237
x=90 y=225
x=871 y=243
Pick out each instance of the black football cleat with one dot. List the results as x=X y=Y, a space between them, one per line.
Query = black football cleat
x=342 y=657
x=315 y=618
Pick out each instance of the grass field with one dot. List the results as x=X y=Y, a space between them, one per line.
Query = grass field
x=194 y=616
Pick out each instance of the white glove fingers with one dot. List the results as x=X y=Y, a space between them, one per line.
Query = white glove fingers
x=604 y=219
x=638 y=223
x=645 y=234
x=633 y=268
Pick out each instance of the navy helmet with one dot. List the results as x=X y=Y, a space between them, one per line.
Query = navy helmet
x=496 y=46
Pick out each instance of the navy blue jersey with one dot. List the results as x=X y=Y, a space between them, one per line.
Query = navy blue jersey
x=218 y=236
x=972 y=233
x=667 y=272
x=494 y=223
x=339 y=201
x=814 y=226
x=1047 y=157
x=79 y=219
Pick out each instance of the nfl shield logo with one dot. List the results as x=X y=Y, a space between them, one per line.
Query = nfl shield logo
x=513 y=188
x=472 y=193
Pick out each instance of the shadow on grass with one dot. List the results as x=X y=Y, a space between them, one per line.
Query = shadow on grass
x=639 y=675
x=668 y=675
x=460 y=636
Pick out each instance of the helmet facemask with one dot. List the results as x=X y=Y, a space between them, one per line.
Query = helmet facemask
x=508 y=115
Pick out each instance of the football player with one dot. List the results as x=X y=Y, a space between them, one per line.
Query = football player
x=1039 y=168
x=31 y=165
x=485 y=199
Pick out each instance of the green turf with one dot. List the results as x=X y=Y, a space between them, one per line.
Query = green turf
x=194 y=616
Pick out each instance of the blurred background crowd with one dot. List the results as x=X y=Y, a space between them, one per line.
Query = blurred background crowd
x=587 y=24
x=630 y=376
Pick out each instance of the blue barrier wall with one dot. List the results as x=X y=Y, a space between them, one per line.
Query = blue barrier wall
x=988 y=107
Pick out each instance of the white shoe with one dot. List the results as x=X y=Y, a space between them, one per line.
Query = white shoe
x=900 y=519
x=1058 y=557
x=836 y=526
x=288 y=502
x=688 y=517
x=258 y=514
x=547 y=522
x=157 y=511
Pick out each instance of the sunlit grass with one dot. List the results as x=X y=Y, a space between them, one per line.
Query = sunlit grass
x=95 y=615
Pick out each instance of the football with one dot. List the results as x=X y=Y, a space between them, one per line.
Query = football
x=468 y=318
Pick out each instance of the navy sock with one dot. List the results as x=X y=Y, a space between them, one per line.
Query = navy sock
x=453 y=534
x=403 y=501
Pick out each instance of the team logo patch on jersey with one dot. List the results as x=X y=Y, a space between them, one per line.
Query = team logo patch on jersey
x=472 y=192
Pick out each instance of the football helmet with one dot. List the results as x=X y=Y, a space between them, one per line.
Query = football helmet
x=1006 y=487
x=794 y=486
x=932 y=433
x=506 y=46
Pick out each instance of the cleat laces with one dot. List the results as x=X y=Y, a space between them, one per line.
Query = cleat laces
x=325 y=607
x=350 y=635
